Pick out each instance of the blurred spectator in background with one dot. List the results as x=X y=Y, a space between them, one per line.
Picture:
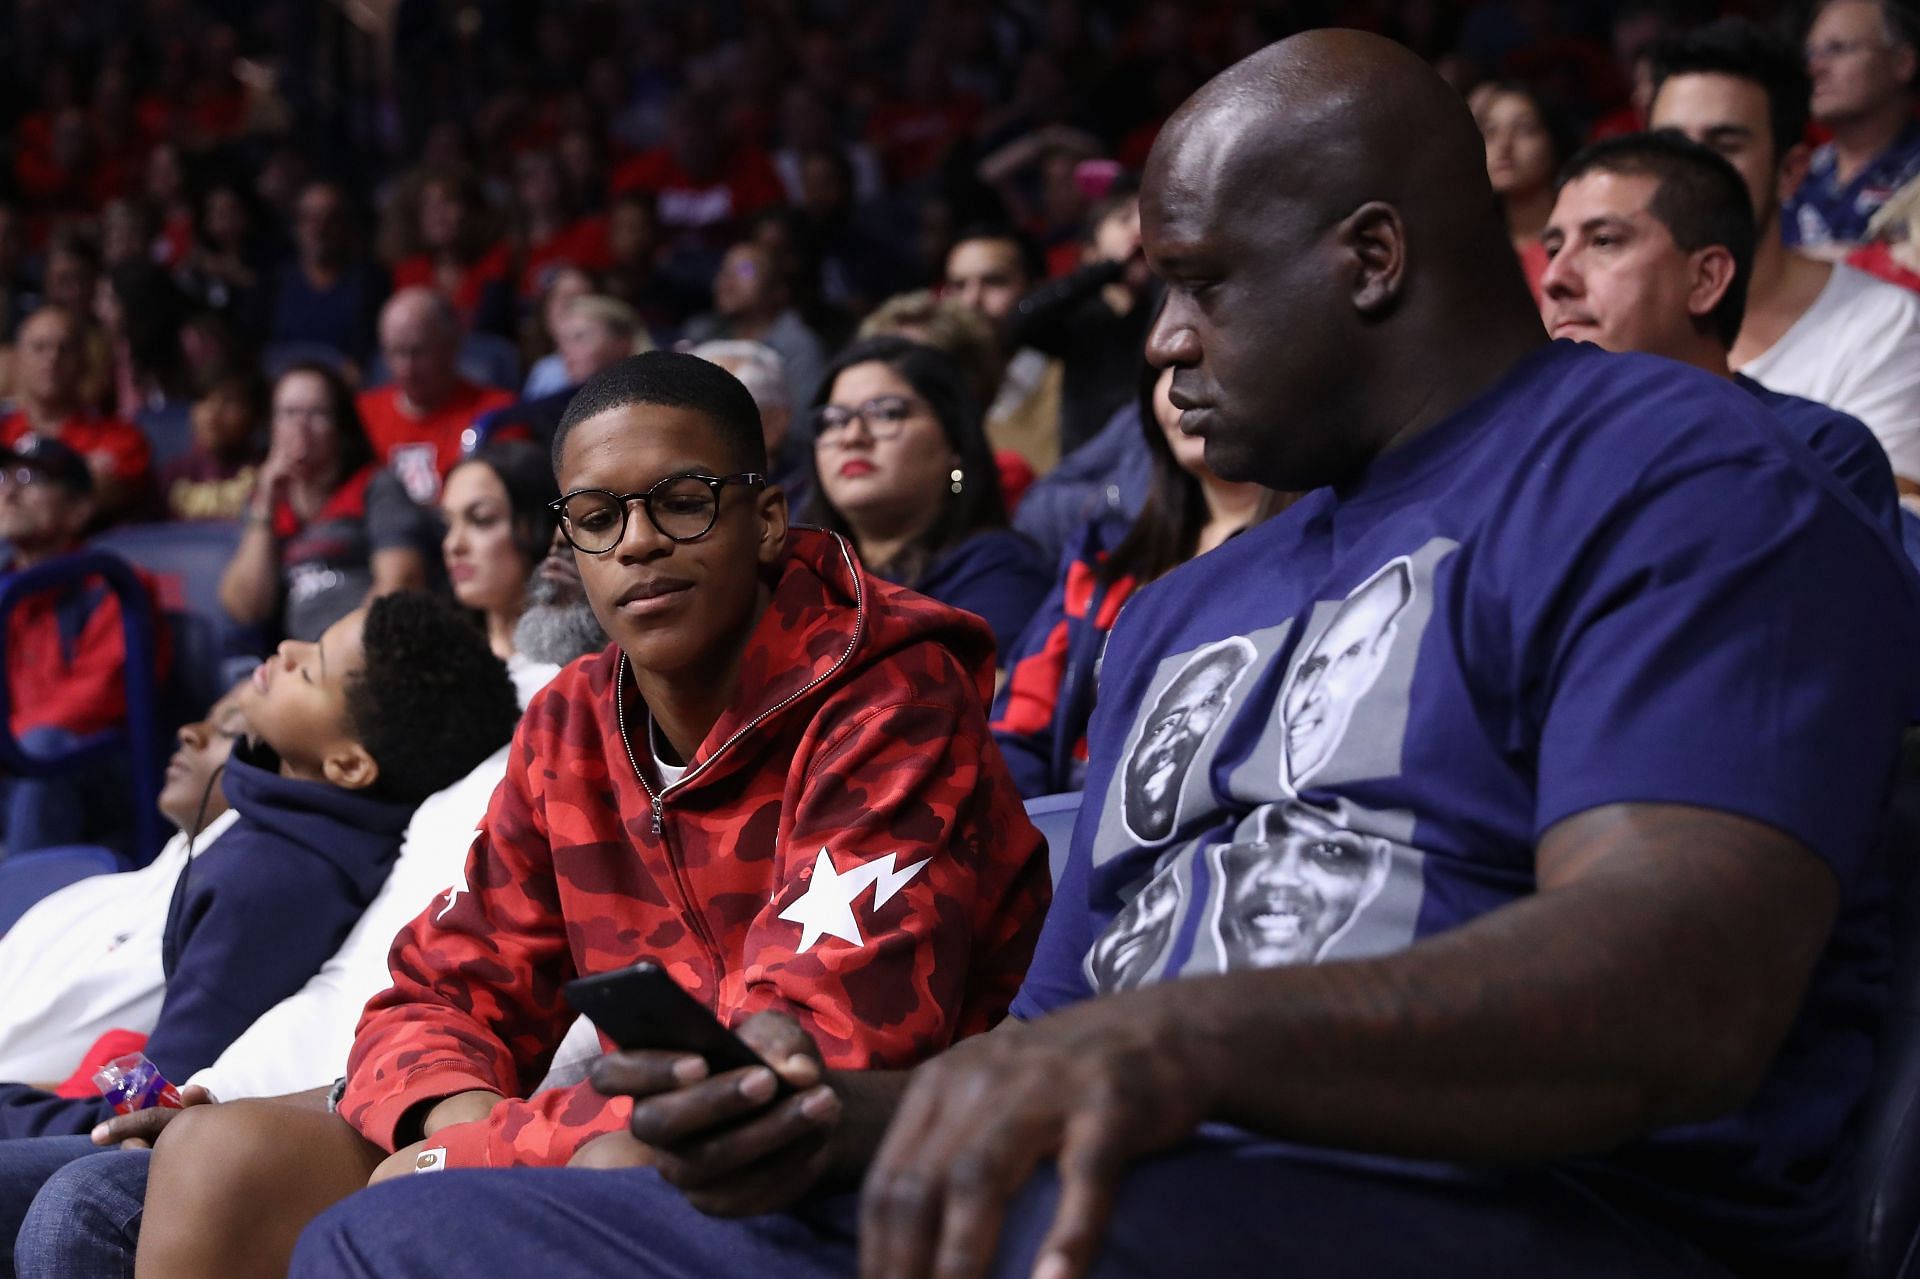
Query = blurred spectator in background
x=595 y=332
x=49 y=364
x=72 y=273
x=225 y=267
x=417 y=422
x=327 y=295
x=1861 y=56
x=1095 y=320
x=807 y=129
x=1040 y=717
x=1892 y=250
x=663 y=299
x=65 y=655
x=1525 y=147
x=458 y=254
x=902 y=467
x=142 y=312
x=759 y=369
x=705 y=184
x=753 y=302
x=499 y=524
x=989 y=269
x=553 y=229
x=547 y=373
x=1824 y=332
x=214 y=479
x=328 y=528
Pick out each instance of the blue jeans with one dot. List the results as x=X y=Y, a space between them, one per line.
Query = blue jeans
x=25 y=1165
x=85 y=1221
x=1211 y=1207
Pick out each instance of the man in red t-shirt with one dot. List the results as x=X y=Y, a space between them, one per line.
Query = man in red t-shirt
x=416 y=421
x=65 y=654
x=705 y=186
x=50 y=363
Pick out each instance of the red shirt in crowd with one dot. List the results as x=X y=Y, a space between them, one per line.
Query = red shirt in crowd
x=747 y=184
x=66 y=658
x=493 y=266
x=582 y=244
x=422 y=449
x=88 y=435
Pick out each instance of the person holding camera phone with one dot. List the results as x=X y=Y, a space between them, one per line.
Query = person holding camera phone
x=777 y=782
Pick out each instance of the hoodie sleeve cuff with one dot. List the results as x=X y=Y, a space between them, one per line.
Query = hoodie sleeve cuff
x=468 y=1145
x=377 y=1118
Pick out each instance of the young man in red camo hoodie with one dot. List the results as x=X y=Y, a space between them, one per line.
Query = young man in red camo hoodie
x=778 y=782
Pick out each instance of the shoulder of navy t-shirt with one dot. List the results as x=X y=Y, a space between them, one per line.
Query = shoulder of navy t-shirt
x=996 y=574
x=1845 y=443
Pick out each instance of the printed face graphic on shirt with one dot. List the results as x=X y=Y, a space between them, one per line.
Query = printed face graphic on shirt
x=1287 y=894
x=1171 y=733
x=1139 y=934
x=1338 y=668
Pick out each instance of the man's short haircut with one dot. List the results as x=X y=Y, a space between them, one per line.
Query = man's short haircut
x=1901 y=20
x=673 y=379
x=1032 y=260
x=761 y=370
x=1699 y=197
x=431 y=700
x=1737 y=47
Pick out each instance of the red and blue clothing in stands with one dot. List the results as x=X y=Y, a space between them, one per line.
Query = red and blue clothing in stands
x=67 y=657
x=1608 y=580
x=845 y=845
x=88 y=435
x=1824 y=210
x=1040 y=717
x=326 y=564
x=254 y=916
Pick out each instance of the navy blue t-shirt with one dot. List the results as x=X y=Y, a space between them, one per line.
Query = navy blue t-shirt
x=1844 y=443
x=1610 y=579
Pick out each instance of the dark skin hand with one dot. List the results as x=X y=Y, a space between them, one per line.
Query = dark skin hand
x=140 y=1129
x=1648 y=983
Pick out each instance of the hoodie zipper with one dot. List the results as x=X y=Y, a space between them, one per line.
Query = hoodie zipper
x=656 y=799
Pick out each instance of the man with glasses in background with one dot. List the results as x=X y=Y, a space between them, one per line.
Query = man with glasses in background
x=1861 y=56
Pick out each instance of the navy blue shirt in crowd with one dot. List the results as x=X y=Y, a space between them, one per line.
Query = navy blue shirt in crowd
x=997 y=575
x=1610 y=579
x=254 y=916
x=342 y=317
x=1844 y=443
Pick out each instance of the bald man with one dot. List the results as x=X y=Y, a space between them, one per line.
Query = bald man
x=1595 y=1001
x=416 y=421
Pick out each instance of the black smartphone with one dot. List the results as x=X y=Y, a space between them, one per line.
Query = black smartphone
x=641 y=1007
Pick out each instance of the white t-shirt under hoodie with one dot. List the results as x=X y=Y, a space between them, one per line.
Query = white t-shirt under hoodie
x=1856 y=349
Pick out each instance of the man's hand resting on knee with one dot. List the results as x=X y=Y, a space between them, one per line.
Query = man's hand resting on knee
x=139 y=1129
x=716 y=1137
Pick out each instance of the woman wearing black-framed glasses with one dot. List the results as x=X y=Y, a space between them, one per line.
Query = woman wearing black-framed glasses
x=902 y=467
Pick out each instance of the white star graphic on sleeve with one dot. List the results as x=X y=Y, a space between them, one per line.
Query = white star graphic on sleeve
x=826 y=908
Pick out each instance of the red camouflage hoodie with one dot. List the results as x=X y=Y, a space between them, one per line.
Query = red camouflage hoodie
x=846 y=845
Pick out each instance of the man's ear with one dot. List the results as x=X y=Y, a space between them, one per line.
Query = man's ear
x=1793 y=171
x=1375 y=242
x=770 y=516
x=1710 y=274
x=1905 y=57
x=350 y=767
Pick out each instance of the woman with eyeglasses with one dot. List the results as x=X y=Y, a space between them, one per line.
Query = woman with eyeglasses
x=497 y=508
x=328 y=529
x=902 y=467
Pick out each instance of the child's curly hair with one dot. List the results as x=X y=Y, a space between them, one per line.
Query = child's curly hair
x=431 y=701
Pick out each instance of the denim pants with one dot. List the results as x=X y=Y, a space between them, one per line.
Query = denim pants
x=87 y=1194
x=1208 y=1208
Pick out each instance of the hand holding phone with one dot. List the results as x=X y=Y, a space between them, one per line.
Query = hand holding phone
x=641 y=1008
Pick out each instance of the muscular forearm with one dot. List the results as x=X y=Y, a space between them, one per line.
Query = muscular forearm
x=1570 y=1021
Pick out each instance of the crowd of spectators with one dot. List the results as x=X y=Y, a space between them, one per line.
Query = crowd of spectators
x=387 y=290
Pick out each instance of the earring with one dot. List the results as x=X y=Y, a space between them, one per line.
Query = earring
x=957 y=479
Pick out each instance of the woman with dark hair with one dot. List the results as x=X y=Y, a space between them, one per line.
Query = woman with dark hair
x=458 y=253
x=327 y=529
x=1526 y=145
x=499 y=524
x=902 y=467
x=1040 y=717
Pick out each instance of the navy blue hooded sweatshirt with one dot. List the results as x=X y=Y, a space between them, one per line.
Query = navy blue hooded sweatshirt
x=253 y=917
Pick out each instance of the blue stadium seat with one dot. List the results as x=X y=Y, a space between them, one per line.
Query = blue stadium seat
x=1054 y=815
x=210 y=649
x=25 y=878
